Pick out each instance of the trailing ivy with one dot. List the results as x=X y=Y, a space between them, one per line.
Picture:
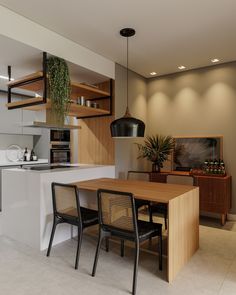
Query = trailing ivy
x=59 y=87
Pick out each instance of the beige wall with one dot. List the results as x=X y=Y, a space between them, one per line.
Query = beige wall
x=125 y=149
x=198 y=102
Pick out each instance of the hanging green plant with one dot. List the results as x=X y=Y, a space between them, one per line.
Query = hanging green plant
x=59 y=88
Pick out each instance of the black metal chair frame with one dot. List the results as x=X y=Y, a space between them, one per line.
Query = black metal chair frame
x=106 y=231
x=59 y=218
x=152 y=208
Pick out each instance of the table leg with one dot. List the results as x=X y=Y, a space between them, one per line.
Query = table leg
x=183 y=231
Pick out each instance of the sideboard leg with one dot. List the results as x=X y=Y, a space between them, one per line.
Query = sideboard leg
x=223 y=219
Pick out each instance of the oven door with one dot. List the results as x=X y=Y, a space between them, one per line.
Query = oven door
x=60 y=155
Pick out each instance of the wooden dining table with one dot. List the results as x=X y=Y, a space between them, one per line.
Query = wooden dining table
x=183 y=214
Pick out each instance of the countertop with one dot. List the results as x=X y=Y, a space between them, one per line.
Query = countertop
x=73 y=167
x=22 y=163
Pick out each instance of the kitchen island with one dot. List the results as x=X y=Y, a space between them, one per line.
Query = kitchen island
x=27 y=211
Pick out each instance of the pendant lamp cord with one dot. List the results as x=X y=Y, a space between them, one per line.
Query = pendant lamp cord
x=127 y=71
x=127 y=113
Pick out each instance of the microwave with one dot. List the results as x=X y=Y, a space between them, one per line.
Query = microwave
x=60 y=136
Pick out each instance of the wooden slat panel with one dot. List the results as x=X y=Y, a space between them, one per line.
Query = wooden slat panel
x=96 y=146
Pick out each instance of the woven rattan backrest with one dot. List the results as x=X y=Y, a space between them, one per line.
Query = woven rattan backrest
x=65 y=199
x=116 y=210
x=138 y=175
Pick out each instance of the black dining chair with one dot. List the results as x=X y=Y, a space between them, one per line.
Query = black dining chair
x=153 y=207
x=67 y=209
x=117 y=217
x=143 y=176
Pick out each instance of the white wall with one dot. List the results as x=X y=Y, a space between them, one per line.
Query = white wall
x=19 y=28
x=21 y=140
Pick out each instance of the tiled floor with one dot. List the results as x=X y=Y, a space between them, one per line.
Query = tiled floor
x=24 y=271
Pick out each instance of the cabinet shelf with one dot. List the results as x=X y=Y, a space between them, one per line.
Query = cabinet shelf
x=37 y=82
x=35 y=101
x=75 y=110
x=77 y=89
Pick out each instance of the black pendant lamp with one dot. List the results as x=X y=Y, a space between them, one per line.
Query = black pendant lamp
x=127 y=126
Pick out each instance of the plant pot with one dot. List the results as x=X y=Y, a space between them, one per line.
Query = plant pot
x=155 y=167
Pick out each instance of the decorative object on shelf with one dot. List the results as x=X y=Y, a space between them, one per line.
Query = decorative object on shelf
x=59 y=88
x=14 y=153
x=211 y=168
x=156 y=149
x=95 y=105
x=127 y=126
x=88 y=103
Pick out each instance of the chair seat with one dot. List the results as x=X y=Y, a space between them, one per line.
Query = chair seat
x=148 y=229
x=145 y=230
x=159 y=208
x=89 y=216
x=140 y=203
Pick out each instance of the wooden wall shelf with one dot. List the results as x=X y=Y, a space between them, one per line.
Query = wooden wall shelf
x=36 y=101
x=36 y=82
x=74 y=111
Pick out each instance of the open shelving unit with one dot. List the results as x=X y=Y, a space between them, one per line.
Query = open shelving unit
x=37 y=81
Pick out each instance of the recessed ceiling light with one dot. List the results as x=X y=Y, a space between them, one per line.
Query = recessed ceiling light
x=181 y=67
x=153 y=73
x=215 y=60
x=5 y=78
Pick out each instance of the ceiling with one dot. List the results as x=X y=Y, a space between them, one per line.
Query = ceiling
x=169 y=33
x=26 y=60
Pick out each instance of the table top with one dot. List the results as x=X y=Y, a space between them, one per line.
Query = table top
x=151 y=191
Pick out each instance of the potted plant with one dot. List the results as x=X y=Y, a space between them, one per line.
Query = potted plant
x=59 y=88
x=156 y=149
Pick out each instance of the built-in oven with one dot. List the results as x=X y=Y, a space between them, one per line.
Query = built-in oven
x=60 y=153
x=60 y=146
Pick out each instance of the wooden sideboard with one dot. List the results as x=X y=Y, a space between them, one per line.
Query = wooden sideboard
x=215 y=192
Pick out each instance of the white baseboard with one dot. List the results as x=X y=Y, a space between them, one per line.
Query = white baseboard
x=231 y=217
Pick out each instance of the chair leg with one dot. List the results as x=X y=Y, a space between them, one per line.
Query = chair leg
x=150 y=214
x=122 y=248
x=97 y=253
x=55 y=223
x=80 y=233
x=135 y=268
x=165 y=216
x=107 y=244
x=160 y=251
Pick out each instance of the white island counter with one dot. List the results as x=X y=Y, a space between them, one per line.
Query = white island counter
x=27 y=212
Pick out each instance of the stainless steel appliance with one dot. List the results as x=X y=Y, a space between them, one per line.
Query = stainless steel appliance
x=60 y=146
x=62 y=136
